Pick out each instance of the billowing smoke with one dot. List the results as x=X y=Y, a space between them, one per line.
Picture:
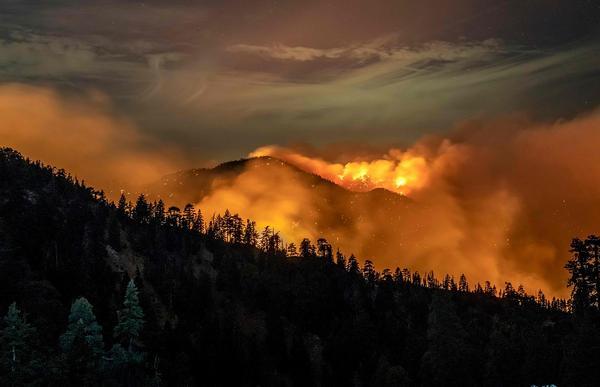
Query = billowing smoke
x=497 y=201
x=397 y=171
x=81 y=135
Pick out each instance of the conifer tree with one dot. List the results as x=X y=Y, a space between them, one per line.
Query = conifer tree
x=306 y=248
x=463 y=285
x=123 y=206
x=82 y=324
x=16 y=352
x=82 y=344
x=141 y=211
x=198 y=223
x=124 y=359
x=159 y=212
x=250 y=234
x=291 y=250
x=131 y=317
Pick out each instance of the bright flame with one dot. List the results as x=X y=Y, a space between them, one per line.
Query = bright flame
x=397 y=171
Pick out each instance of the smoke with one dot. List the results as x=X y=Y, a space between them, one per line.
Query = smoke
x=397 y=171
x=81 y=135
x=270 y=194
x=497 y=201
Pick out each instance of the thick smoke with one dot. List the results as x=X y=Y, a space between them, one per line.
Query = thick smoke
x=81 y=135
x=498 y=201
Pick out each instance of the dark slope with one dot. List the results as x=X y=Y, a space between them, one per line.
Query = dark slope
x=224 y=314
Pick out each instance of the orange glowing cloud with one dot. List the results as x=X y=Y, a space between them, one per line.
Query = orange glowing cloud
x=81 y=135
x=397 y=171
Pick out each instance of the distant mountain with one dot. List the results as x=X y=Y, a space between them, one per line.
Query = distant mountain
x=191 y=186
x=320 y=207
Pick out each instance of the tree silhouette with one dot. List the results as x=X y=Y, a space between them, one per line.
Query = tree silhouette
x=131 y=317
x=584 y=270
x=17 y=353
x=82 y=343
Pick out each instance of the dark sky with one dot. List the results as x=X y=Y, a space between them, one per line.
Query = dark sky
x=218 y=79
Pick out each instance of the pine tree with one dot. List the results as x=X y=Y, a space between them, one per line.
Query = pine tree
x=291 y=250
x=141 y=211
x=250 y=234
x=159 y=212
x=583 y=270
x=173 y=216
x=306 y=248
x=82 y=321
x=16 y=352
x=463 y=285
x=82 y=344
x=131 y=317
x=131 y=321
x=324 y=249
x=122 y=207
x=198 y=223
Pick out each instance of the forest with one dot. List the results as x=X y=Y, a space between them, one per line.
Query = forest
x=134 y=293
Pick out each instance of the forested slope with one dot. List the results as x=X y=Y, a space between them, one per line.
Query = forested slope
x=140 y=294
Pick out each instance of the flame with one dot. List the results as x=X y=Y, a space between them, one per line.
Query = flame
x=399 y=171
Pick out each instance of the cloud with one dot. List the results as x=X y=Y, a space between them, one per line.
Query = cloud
x=384 y=48
x=402 y=96
x=284 y=52
x=81 y=135
x=45 y=56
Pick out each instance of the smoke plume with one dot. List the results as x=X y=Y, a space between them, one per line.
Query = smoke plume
x=497 y=201
x=81 y=135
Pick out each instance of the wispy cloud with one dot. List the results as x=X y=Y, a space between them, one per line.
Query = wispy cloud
x=384 y=48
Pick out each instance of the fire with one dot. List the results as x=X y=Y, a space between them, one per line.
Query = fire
x=397 y=171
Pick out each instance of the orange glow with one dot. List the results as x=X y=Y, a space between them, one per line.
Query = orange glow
x=398 y=171
x=82 y=136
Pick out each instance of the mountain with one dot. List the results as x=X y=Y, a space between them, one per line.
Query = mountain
x=297 y=203
x=245 y=314
x=192 y=186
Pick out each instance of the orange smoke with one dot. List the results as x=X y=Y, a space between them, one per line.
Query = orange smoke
x=496 y=200
x=397 y=171
x=82 y=135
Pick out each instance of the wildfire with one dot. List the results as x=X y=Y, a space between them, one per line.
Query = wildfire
x=397 y=171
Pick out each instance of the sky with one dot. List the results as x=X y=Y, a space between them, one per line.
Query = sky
x=484 y=112
x=218 y=79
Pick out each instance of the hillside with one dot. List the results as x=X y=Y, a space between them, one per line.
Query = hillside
x=193 y=185
x=298 y=204
x=244 y=312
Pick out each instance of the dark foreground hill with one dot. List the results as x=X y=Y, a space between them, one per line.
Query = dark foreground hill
x=242 y=312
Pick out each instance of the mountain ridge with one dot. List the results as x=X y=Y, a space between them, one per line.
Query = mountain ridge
x=234 y=167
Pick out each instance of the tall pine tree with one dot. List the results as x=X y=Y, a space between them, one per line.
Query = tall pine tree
x=131 y=318
x=17 y=359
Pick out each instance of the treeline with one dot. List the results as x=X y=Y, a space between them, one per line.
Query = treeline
x=217 y=309
x=80 y=355
x=232 y=228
